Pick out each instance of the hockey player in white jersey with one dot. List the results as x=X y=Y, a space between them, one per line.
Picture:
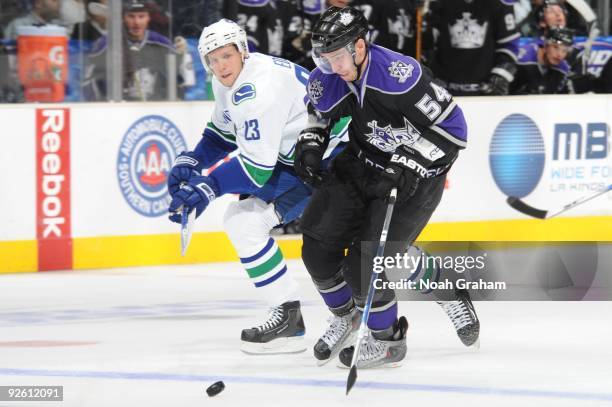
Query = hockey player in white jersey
x=258 y=114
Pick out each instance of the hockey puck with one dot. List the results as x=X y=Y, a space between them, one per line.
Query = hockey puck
x=215 y=389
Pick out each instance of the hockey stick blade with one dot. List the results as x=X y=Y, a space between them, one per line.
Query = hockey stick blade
x=187 y=220
x=352 y=378
x=522 y=207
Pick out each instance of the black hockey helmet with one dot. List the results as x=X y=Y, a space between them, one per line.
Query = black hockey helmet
x=560 y=35
x=338 y=27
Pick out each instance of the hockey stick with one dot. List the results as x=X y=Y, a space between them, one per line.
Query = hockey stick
x=586 y=12
x=187 y=220
x=522 y=207
x=363 y=326
x=420 y=12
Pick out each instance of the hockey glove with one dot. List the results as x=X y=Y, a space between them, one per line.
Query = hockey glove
x=405 y=170
x=185 y=166
x=499 y=81
x=496 y=86
x=197 y=193
x=309 y=150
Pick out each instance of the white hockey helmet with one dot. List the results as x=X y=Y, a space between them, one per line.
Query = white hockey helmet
x=220 y=34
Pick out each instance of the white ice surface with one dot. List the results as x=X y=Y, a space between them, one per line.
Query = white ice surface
x=158 y=336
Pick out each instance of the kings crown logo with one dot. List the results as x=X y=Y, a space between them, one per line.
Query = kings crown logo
x=388 y=138
x=466 y=33
x=315 y=90
x=400 y=70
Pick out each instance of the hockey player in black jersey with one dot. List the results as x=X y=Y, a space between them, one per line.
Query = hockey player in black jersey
x=542 y=67
x=406 y=132
x=475 y=53
x=262 y=23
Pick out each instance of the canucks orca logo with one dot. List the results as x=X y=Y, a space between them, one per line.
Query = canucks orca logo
x=244 y=92
x=145 y=158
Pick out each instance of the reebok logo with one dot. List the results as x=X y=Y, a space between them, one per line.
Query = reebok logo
x=53 y=188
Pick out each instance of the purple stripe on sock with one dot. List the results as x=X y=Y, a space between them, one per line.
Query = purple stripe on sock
x=337 y=298
x=383 y=319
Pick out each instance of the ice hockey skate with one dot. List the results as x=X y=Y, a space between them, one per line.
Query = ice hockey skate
x=377 y=352
x=342 y=331
x=282 y=332
x=463 y=316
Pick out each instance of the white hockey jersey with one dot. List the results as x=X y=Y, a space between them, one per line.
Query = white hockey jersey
x=262 y=114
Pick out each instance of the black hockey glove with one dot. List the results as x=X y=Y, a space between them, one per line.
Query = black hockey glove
x=405 y=170
x=495 y=86
x=499 y=81
x=309 y=150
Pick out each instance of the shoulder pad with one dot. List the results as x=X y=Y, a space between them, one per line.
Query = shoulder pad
x=528 y=53
x=157 y=38
x=391 y=72
x=325 y=91
x=253 y=3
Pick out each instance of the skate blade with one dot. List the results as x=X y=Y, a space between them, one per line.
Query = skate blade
x=280 y=346
x=383 y=366
x=350 y=340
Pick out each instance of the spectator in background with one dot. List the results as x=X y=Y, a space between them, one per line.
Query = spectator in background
x=95 y=26
x=542 y=67
x=144 y=59
x=476 y=50
x=43 y=12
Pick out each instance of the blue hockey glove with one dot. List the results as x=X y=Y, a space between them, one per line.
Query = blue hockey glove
x=405 y=170
x=185 y=166
x=197 y=193
x=309 y=150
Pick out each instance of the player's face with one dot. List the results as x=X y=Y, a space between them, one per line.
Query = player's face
x=341 y=63
x=555 y=53
x=136 y=23
x=225 y=63
x=554 y=16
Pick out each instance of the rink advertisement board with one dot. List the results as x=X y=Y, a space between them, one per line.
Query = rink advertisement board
x=53 y=230
x=99 y=200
